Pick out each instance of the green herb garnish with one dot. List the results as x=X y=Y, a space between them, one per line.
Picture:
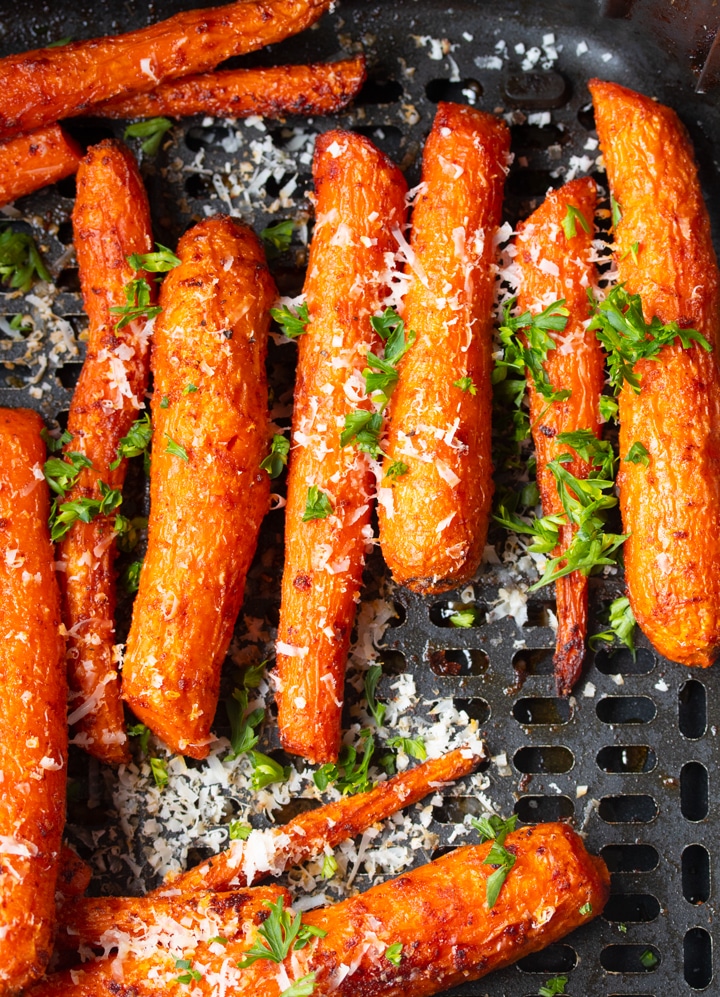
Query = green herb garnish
x=63 y=515
x=572 y=216
x=190 y=975
x=136 y=442
x=277 y=934
x=158 y=262
x=466 y=384
x=586 y=909
x=465 y=618
x=175 y=449
x=130 y=578
x=137 y=304
x=622 y=626
x=638 y=454
x=52 y=444
x=616 y=212
x=648 y=959
x=317 y=505
x=159 y=769
x=393 y=953
x=152 y=131
x=292 y=323
x=302 y=987
x=61 y=473
x=412 y=746
x=527 y=341
x=350 y=772
x=494 y=828
x=277 y=238
x=330 y=866
x=266 y=771
x=554 y=986
x=239 y=831
x=20 y=261
x=378 y=710
x=142 y=733
x=504 y=860
x=277 y=459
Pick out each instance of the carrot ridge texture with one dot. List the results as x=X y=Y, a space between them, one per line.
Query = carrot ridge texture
x=360 y=199
x=33 y=729
x=434 y=518
x=32 y=161
x=208 y=494
x=39 y=87
x=554 y=265
x=671 y=508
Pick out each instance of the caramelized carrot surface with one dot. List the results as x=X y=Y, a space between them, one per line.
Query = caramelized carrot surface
x=434 y=518
x=32 y=161
x=437 y=914
x=208 y=494
x=360 y=199
x=111 y=221
x=552 y=266
x=74 y=875
x=33 y=731
x=41 y=86
x=671 y=508
x=272 y=91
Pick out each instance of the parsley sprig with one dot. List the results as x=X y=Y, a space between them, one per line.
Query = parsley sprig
x=278 y=934
x=64 y=514
x=378 y=710
x=293 y=323
x=61 y=473
x=302 y=987
x=20 y=261
x=277 y=459
x=160 y=261
x=243 y=724
x=350 y=772
x=137 y=304
x=317 y=505
x=136 y=442
x=527 y=341
x=554 y=986
x=266 y=771
x=622 y=626
x=151 y=130
x=574 y=215
x=190 y=975
x=494 y=828
x=277 y=238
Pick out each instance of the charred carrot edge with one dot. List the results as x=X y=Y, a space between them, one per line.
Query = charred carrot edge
x=41 y=86
x=32 y=161
x=33 y=731
x=74 y=876
x=434 y=518
x=273 y=91
x=111 y=221
x=437 y=914
x=208 y=494
x=553 y=266
x=360 y=199
x=671 y=508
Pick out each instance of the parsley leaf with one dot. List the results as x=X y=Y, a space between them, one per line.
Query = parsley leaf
x=266 y=771
x=330 y=866
x=396 y=469
x=189 y=389
x=363 y=427
x=220 y=939
x=466 y=384
x=277 y=238
x=137 y=304
x=317 y=505
x=572 y=216
x=20 y=261
x=292 y=323
x=151 y=130
x=381 y=373
x=350 y=772
x=175 y=449
x=164 y=401
x=505 y=860
x=302 y=987
x=586 y=909
x=306 y=933
x=464 y=619
x=393 y=953
x=608 y=408
x=620 y=326
x=242 y=723
x=61 y=473
x=130 y=578
x=412 y=746
x=529 y=351
x=277 y=459
x=239 y=831
x=494 y=828
x=554 y=986
x=648 y=959
x=159 y=769
x=277 y=934
x=638 y=454
x=372 y=677
x=616 y=212
x=158 y=262
x=53 y=444
x=143 y=733
x=622 y=626
x=136 y=442
x=63 y=515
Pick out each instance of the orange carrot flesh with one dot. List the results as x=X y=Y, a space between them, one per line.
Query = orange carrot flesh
x=437 y=914
x=434 y=518
x=33 y=731
x=32 y=161
x=552 y=266
x=208 y=494
x=320 y=88
x=39 y=87
x=111 y=221
x=671 y=508
x=74 y=876
x=360 y=198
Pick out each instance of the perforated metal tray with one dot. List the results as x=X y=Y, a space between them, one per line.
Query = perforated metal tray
x=631 y=757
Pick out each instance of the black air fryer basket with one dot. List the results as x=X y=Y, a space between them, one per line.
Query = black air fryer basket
x=630 y=759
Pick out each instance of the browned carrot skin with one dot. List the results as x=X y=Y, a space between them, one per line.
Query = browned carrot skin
x=207 y=500
x=33 y=732
x=39 y=87
x=360 y=198
x=438 y=913
x=577 y=365
x=671 y=509
x=434 y=518
x=273 y=91
x=32 y=161
x=111 y=221
x=74 y=876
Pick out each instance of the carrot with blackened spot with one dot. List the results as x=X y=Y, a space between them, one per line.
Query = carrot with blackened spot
x=436 y=919
x=33 y=731
x=270 y=91
x=434 y=518
x=555 y=262
x=111 y=221
x=39 y=87
x=360 y=199
x=670 y=500
x=32 y=161
x=208 y=494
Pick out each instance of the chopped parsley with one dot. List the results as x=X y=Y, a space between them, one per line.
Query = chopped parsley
x=190 y=975
x=277 y=238
x=302 y=987
x=243 y=725
x=278 y=934
x=158 y=262
x=412 y=746
x=151 y=131
x=136 y=442
x=638 y=454
x=465 y=618
x=569 y=222
x=526 y=343
x=137 y=304
x=20 y=261
x=396 y=469
x=363 y=428
x=554 y=986
x=53 y=444
x=292 y=323
x=175 y=449
x=633 y=251
x=189 y=389
x=239 y=831
x=266 y=771
x=494 y=828
x=622 y=626
x=608 y=408
x=648 y=959
x=61 y=473
x=130 y=578
x=330 y=866
x=350 y=773
x=378 y=710
x=64 y=514
x=277 y=459
x=620 y=326
x=219 y=939
x=393 y=953
x=503 y=860
x=164 y=401
x=143 y=733
x=159 y=769
x=616 y=212
x=317 y=505
x=586 y=909
x=466 y=384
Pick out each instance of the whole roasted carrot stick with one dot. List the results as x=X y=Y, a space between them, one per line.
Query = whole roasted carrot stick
x=111 y=221
x=424 y=932
x=272 y=91
x=554 y=258
x=33 y=731
x=670 y=498
x=32 y=161
x=208 y=494
x=39 y=87
x=360 y=199
x=434 y=518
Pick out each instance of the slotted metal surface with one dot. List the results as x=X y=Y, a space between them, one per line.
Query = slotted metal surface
x=631 y=758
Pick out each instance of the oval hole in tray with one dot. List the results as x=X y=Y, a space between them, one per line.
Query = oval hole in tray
x=635 y=908
x=541 y=809
x=621 y=662
x=543 y=758
x=458 y=661
x=476 y=708
x=554 y=959
x=629 y=809
x=628 y=958
x=535 y=661
x=630 y=858
x=455 y=808
x=534 y=137
x=538 y=612
x=694 y=791
x=441 y=613
x=697 y=958
x=466 y=91
x=531 y=710
x=626 y=710
x=377 y=91
x=625 y=758
x=696 y=874
x=692 y=709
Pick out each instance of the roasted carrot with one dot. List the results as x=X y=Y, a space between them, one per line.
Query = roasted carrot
x=426 y=931
x=208 y=494
x=39 y=87
x=360 y=199
x=671 y=507
x=554 y=258
x=74 y=876
x=33 y=732
x=434 y=518
x=271 y=91
x=111 y=221
x=32 y=161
